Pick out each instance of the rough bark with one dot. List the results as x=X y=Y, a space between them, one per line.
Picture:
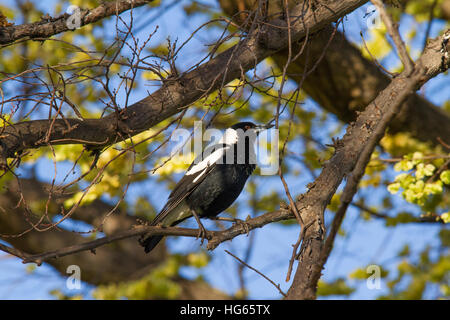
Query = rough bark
x=348 y=150
x=49 y=26
x=345 y=82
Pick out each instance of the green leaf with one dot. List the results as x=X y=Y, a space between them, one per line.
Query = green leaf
x=445 y=176
x=446 y=217
x=393 y=188
x=337 y=287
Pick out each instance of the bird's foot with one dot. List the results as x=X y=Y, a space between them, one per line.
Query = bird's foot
x=201 y=233
x=201 y=229
x=235 y=221
x=141 y=222
x=244 y=224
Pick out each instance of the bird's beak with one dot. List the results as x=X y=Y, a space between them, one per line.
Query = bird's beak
x=262 y=127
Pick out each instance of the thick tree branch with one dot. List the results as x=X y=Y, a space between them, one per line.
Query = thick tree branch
x=176 y=93
x=351 y=186
x=353 y=180
x=214 y=237
x=345 y=82
x=49 y=26
x=365 y=130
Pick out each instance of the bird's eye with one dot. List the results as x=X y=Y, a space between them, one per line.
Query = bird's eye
x=247 y=127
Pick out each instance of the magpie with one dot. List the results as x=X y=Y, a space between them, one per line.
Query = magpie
x=212 y=182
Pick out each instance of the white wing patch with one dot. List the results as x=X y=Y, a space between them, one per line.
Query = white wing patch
x=229 y=138
x=201 y=174
x=205 y=163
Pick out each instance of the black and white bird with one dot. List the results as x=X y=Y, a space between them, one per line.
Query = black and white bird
x=213 y=181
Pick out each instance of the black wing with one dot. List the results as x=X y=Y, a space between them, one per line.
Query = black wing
x=187 y=184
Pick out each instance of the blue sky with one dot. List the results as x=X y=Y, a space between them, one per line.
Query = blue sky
x=365 y=242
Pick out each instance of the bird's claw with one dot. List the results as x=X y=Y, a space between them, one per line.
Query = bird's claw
x=201 y=233
x=244 y=224
x=201 y=229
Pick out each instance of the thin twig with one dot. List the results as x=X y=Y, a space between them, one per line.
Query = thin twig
x=214 y=237
x=258 y=272
x=430 y=23
x=392 y=29
x=91 y=245
x=13 y=251
x=374 y=60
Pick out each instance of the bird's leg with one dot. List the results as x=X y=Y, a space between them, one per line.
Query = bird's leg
x=202 y=231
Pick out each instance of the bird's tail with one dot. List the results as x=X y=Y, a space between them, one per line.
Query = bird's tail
x=150 y=242
x=166 y=219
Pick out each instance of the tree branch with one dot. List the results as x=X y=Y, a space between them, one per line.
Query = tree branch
x=258 y=272
x=214 y=237
x=49 y=26
x=176 y=93
x=392 y=29
x=351 y=186
x=345 y=82
x=91 y=245
x=367 y=129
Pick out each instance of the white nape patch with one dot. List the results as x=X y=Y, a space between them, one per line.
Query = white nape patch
x=229 y=137
x=208 y=161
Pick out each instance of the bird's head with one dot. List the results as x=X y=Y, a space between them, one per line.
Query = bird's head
x=243 y=131
x=250 y=126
